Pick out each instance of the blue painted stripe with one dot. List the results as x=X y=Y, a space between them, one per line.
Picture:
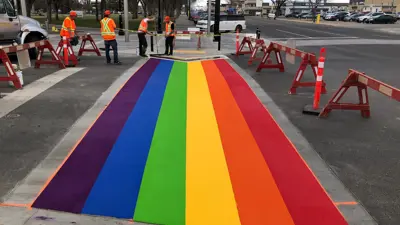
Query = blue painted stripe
x=116 y=189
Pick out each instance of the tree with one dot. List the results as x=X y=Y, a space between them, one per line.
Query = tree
x=97 y=10
x=278 y=6
x=133 y=7
x=313 y=4
x=56 y=5
x=48 y=13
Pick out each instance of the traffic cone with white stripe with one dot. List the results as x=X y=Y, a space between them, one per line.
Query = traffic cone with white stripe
x=314 y=109
x=68 y=52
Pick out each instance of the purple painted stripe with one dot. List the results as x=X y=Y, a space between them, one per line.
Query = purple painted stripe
x=71 y=186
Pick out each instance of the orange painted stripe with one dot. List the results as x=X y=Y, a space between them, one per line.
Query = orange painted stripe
x=14 y=205
x=257 y=196
x=345 y=203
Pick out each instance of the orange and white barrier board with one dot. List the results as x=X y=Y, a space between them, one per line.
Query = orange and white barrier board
x=41 y=46
x=307 y=59
x=362 y=82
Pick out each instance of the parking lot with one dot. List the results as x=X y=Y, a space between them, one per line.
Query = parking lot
x=388 y=28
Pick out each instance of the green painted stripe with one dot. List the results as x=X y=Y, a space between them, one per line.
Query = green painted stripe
x=162 y=193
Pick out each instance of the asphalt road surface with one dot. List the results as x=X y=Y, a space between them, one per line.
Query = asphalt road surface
x=363 y=153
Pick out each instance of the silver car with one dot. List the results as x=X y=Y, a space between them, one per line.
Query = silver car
x=20 y=29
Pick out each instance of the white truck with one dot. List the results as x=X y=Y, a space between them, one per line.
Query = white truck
x=19 y=29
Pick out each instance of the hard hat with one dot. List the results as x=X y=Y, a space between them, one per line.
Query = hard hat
x=107 y=12
x=72 y=13
x=166 y=19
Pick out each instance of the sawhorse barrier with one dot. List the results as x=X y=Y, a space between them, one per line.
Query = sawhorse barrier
x=246 y=41
x=307 y=59
x=259 y=44
x=41 y=46
x=185 y=33
x=71 y=55
x=362 y=82
x=82 y=49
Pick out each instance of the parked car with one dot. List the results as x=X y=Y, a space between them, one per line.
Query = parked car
x=364 y=18
x=19 y=29
x=292 y=15
x=308 y=16
x=328 y=14
x=352 y=17
x=398 y=15
x=227 y=23
x=383 y=19
x=301 y=14
x=271 y=15
x=339 y=16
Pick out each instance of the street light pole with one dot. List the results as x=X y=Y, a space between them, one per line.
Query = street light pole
x=23 y=8
x=120 y=32
x=159 y=30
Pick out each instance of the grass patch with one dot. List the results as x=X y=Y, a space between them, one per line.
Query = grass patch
x=90 y=21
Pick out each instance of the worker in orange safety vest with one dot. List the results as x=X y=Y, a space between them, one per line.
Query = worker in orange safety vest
x=169 y=36
x=108 y=33
x=68 y=28
x=142 y=31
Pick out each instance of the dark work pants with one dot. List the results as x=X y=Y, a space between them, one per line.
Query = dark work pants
x=142 y=43
x=169 y=45
x=113 y=44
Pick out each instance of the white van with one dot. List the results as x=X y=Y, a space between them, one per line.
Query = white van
x=20 y=29
x=226 y=23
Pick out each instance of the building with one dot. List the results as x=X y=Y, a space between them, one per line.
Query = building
x=266 y=8
x=381 y=6
x=251 y=7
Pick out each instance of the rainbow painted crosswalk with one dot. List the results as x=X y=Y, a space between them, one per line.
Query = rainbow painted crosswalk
x=189 y=143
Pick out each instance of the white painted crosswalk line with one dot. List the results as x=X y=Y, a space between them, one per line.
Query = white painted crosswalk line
x=19 y=97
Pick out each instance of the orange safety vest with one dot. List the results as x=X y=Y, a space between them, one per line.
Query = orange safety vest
x=107 y=29
x=68 y=28
x=168 y=29
x=143 y=26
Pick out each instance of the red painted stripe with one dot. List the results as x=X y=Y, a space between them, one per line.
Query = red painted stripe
x=307 y=201
x=257 y=196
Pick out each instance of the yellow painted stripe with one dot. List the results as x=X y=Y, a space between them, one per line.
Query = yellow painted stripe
x=209 y=195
